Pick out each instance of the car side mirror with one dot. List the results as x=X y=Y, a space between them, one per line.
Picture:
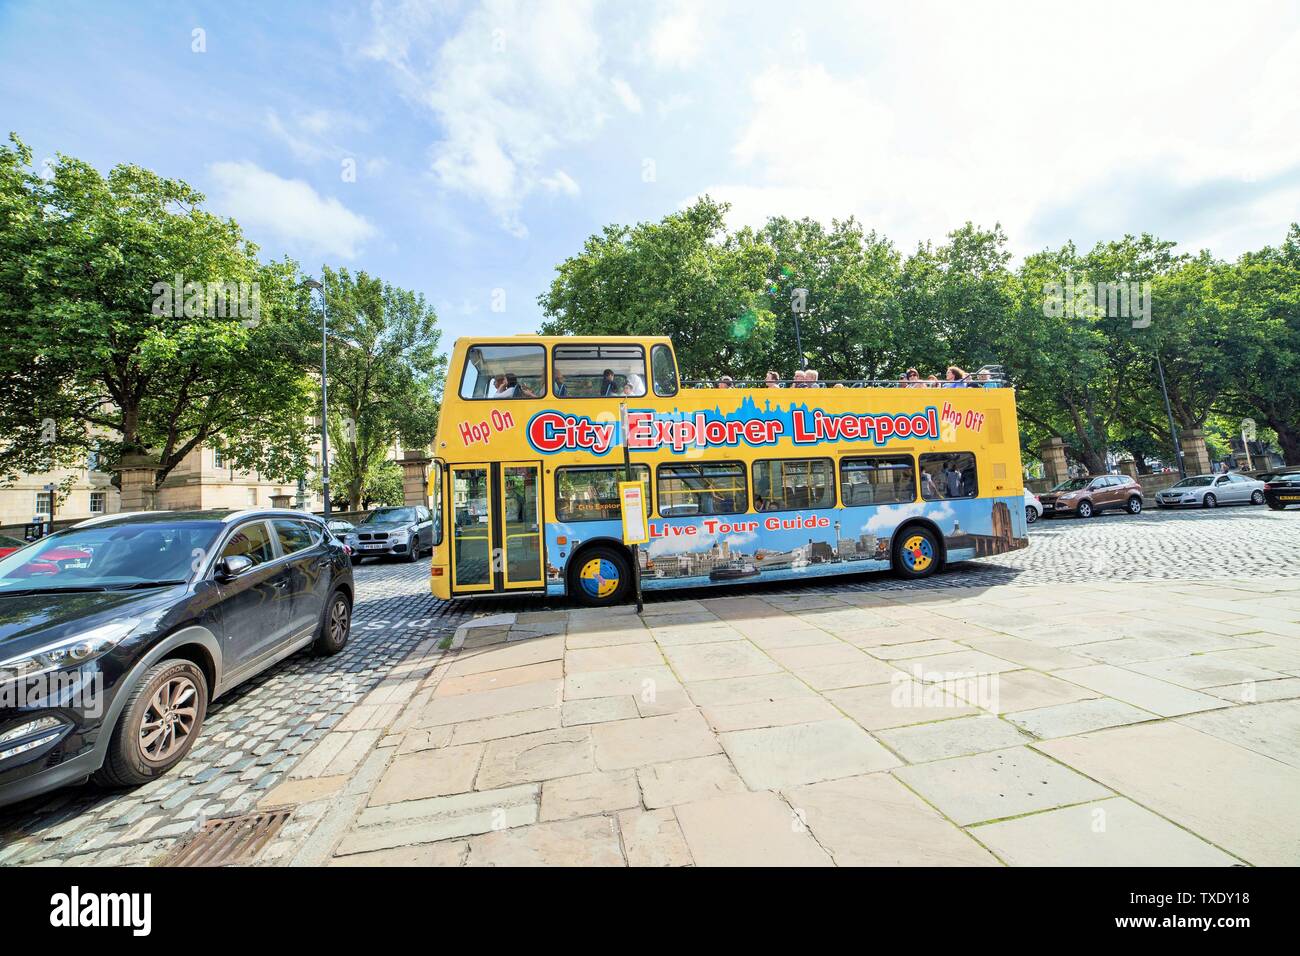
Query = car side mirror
x=233 y=566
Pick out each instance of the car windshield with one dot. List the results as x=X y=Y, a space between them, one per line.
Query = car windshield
x=1200 y=481
x=390 y=516
x=1074 y=484
x=107 y=557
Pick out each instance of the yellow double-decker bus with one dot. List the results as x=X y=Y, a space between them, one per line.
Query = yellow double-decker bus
x=742 y=484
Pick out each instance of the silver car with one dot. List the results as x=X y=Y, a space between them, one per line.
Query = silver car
x=1210 y=491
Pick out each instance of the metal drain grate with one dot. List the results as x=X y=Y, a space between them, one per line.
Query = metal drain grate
x=228 y=841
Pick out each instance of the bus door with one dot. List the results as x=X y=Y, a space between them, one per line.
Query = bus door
x=496 y=539
x=519 y=528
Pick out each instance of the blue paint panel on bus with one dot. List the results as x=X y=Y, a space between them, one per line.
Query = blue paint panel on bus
x=792 y=545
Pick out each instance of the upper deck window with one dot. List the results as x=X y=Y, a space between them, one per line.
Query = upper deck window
x=665 y=371
x=504 y=371
x=599 y=371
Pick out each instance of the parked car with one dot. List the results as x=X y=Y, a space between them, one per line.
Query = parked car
x=1086 y=497
x=340 y=527
x=9 y=545
x=108 y=665
x=1210 y=491
x=1283 y=491
x=393 y=532
x=1033 y=507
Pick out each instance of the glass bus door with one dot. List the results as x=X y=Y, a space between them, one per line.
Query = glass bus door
x=471 y=529
x=519 y=485
x=496 y=536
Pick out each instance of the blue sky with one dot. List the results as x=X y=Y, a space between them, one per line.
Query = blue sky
x=489 y=139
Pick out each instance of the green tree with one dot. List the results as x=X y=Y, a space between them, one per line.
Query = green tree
x=92 y=354
x=683 y=277
x=1259 y=298
x=385 y=374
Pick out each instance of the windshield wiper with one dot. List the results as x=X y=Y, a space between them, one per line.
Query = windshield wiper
x=71 y=590
x=145 y=584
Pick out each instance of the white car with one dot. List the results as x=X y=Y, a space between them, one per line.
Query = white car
x=1033 y=507
x=1210 y=491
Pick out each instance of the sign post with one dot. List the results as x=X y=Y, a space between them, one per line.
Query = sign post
x=632 y=507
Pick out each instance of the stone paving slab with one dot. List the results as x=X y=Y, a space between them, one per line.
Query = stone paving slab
x=1114 y=832
x=1231 y=797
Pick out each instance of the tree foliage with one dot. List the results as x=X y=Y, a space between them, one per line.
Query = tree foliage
x=88 y=359
x=1227 y=334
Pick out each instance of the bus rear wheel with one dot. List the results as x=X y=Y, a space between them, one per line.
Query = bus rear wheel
x=601 y=577
x=916 y=553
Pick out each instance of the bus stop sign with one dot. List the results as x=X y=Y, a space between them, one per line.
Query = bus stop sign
x=631 y=496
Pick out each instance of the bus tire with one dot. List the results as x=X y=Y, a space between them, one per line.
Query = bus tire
x=601 y=576
x=916 y=552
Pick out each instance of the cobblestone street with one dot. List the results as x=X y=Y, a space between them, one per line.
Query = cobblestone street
x=325 y=734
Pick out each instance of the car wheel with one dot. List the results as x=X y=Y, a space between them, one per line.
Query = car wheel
x=601 y=577
x=916 y=553
x=1135 y=505
x=158 y=726
x=1031 y=514
x=335 y=625
x=1209 y=501
x=1257 y=497
x=413 y=549
x=1085 y=509
x=1276 y=506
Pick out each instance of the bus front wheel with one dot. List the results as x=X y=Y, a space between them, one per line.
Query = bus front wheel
x=916 y=553
x=601 y=577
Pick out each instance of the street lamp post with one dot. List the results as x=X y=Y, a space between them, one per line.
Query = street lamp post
x=324 y=397
x=799 y=305
x=1169 y=413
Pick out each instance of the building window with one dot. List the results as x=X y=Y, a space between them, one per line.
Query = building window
x=218 y=459
x=599 y=371
x=98 y=502
x=252 y=497
x=793 y=484
x=687 y=490
x=878 y=480
x=504 y=371
x=45 y=503
x=948 y=475
x=591 y=494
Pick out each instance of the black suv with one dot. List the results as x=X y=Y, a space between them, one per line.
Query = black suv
x=116 y=634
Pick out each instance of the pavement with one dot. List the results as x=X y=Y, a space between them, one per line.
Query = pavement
x=1126 y=690
x=1105 y=725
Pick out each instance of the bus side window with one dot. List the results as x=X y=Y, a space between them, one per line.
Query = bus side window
x=712 y=489
x=664 y=370
x=877 y=480
x=599 y=371
x=791 y=484
x=949 y=474
x=498 y=372
x=591 y=494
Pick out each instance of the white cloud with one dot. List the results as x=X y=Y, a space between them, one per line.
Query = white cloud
x=289 y=209
x=1056 y=126
x=516 y=82
x=561 y=182
x=890 y=516
x=676 y=41
x=631 y=102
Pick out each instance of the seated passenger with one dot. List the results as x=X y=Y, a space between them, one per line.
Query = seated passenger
x=608 y=388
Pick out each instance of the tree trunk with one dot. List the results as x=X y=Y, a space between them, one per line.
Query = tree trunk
x=1288 y=436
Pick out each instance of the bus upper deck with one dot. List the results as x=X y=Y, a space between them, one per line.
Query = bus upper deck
x=741 y=483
